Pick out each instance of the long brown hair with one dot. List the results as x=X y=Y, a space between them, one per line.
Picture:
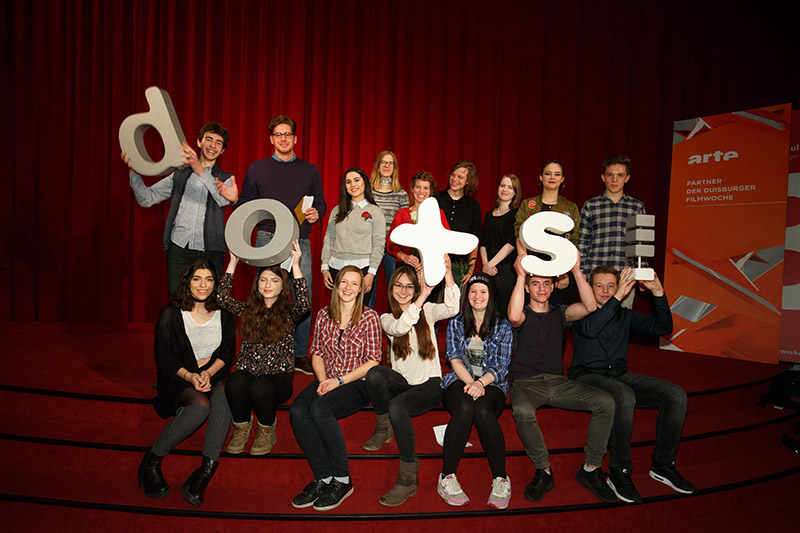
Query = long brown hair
x=260 y=323
x=401 y=345
x=334 y=311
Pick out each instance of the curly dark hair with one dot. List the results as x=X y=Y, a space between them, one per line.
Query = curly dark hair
x=182 y=297
x=260 y=323
x=402 y=345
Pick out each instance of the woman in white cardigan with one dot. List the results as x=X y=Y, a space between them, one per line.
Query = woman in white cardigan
x=413 y=385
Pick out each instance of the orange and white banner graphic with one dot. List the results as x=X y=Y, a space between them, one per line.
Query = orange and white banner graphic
x=790 y=318
x=726 y=231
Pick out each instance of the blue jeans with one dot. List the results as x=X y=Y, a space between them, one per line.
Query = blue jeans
x=634 y=390
x=315 y=426
x=391 y=393
x=303 y=328
x=389 y=266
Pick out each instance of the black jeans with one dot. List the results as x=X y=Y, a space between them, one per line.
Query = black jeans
x=484 y=413
x=262 y=395
x=314 y=421
x=634 y=390
x=390 y=392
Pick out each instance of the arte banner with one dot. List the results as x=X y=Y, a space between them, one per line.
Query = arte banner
x=790 y=314
x=726 y=231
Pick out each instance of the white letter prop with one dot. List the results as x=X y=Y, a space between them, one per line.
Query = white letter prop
x=163 y=118
x=240 y=226
x=562 y=252
x=433 y=240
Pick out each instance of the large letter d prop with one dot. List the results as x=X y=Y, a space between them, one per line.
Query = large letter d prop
x=433 y=240
x=163 y=118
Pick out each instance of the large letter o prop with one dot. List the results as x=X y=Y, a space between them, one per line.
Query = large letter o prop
x=240 y=226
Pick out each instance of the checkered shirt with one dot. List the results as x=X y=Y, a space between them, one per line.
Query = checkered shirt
x=603 y=231
x=345 y=350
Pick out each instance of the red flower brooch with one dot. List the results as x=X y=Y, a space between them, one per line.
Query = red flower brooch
x=366 y=215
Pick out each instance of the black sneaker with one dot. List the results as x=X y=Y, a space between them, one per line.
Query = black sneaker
x=334 y=495
x=620 y=482
x=667 y=475
x=310 y=494
x=541 y=483
x=595 y=481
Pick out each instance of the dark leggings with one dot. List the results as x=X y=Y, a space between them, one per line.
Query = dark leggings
x=262 y=395
x=195 y=408
x=484 y=413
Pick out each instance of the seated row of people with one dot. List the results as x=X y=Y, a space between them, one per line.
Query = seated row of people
x=195 y=344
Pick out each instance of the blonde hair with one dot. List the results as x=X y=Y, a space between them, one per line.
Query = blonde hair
x=375 y=177
x=334 y=311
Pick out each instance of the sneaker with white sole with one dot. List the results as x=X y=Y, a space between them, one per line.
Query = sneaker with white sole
x=669 y=476
x=501 y=493
x=450 y=490
x=620 y=482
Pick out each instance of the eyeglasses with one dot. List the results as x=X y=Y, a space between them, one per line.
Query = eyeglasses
x=387 y=163
x=287 y=134
x=401 y=287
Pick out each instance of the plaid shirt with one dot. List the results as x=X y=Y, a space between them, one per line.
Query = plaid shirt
x=344 y=350
x=497 y=351
x=603 y=231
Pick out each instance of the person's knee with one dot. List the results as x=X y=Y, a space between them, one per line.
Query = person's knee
x=524 y=413
x=375 y=377
x=603 y=403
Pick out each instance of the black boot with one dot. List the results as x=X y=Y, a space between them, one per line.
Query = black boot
x=150 y=477
x=195 y=487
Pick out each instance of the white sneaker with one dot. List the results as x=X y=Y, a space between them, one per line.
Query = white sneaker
x=450 y=490
x=501 y=493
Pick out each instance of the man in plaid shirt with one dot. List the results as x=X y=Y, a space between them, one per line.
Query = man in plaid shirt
x=603 y=220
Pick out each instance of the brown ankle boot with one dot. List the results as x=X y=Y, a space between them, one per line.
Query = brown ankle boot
x=405 y=486
x=241 y=434
x=265 y=439
x=383 y=433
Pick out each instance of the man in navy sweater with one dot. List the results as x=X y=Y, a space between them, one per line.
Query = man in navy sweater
x=601 y=360
x=287 y=178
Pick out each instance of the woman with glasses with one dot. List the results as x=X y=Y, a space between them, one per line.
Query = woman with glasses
x=497 y=240
x=346 y=345
x=390 y=197
x=413 y=385
x=356 y=233
x=551 y=181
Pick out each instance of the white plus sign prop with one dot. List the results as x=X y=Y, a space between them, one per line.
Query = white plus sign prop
x=562 y=252
x=433 y=240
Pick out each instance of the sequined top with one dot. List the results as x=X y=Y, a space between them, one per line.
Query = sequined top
x=259 y=358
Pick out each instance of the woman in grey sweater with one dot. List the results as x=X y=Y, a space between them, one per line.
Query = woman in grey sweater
x=356 y=233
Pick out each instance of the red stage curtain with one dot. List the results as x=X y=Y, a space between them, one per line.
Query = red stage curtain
x=504 y=84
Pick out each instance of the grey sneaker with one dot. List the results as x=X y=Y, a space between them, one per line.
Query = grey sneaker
x=450 y=490
x=501 y=493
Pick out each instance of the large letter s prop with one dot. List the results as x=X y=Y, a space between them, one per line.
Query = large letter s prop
x=163 y=118
x=240 y=226
x=562 y=252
